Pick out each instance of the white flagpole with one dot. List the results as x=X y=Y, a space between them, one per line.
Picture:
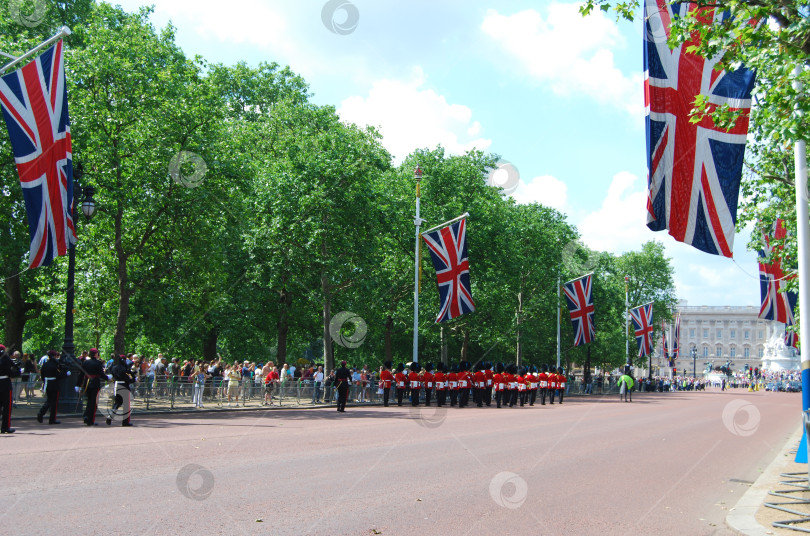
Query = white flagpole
x=803 y=246
x=63 y=31
x=417 y=222
x=559 y=307
x=445 y=224
x=627 y=320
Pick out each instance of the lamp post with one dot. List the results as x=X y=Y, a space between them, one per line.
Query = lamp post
x=650 y=374
x=417 y=174
x=67 y=398
x=694 y=357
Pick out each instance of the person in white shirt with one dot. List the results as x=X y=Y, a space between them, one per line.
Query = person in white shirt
x=317 y=382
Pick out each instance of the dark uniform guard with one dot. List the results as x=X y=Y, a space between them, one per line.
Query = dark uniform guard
x=90 y=378
x=386 y=378
x=8 y=370
x=342 y=379
x=51 y=373
x=122 y=395
x=561 y=382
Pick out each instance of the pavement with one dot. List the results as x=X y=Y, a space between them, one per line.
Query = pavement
x=749 y=514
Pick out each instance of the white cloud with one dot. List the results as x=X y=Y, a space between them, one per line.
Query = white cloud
x=619 y=224
x=568 y=52
x=412 y=117
x=546 y=190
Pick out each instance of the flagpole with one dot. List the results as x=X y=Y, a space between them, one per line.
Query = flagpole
x=627 y=321
x=559 y=305
x=803 y=249
x=417 y=222
x=445 y=224
x=63 y=32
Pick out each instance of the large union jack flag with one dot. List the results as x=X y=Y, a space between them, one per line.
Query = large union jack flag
x=693 y=169
x=642 y=318
x=579 y=295
x=448 y=249
x=34 y=103
x=777 y=303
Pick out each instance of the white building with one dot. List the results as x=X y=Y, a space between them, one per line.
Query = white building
x=721 y=334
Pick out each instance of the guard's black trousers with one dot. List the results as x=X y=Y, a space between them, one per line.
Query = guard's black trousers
x=343 y=394
x=400 y=394
x=386 y=394
x=453 y=396
x=51 y=400
x=441 y=397
x=92 y=405
x=6 y=401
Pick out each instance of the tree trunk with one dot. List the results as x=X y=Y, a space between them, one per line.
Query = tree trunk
x=444 y=347
x=518 y=313
x=16 y=309
x=285 y=301
x=465 y=345
x=209 y=350
x=389 y=352
x=328 y=351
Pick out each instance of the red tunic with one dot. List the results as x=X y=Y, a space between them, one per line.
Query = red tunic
x=521 y=383
x=427 y=379
x=480 y=379
x=439 y=379
x=452 y=379
x=400 y=378
x=552 y=380
x=489 y=377
x=463 y=380
x=413 y=377
x=386 y=378
x=542 y=379
x=497 y=381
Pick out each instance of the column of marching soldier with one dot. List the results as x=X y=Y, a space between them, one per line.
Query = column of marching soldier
x=91 y=374
x=510 y=384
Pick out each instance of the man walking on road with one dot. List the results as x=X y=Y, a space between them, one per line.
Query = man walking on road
x=342 y=379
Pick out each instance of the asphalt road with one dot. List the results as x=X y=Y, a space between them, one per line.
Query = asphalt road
x=670 y=463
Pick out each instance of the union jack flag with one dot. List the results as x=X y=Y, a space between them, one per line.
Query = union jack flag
x=694 y=170
x=34 y=103
x=642 y=318
x=676 y=338
x=448 y=249
x=777 y=303
x=579 y=295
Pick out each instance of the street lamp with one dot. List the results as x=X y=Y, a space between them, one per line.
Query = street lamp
x=694 y=358
x=83 y=195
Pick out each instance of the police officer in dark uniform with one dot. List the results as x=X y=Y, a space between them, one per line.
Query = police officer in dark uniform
x=8 y=370
x=90 y=378
x=123 y=377
x=51 y=372
x=342 y=380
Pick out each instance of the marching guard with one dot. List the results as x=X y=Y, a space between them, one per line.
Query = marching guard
x=90 y=378
x=8 y=370
x=499 y=386
x=343 y=379
x=122 y=378
x=479 y=383
x=463 y=385
x=488 y=375
x=386 y=378
x=427 y=382
x=440 y=380
x=452 y=380
x=561 y=382
x=543 y=384
x=415 y=385
x=51 y=372
x=532 y=385
x=400 y=379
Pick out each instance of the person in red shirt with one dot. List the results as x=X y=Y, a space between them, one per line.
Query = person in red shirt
x=440 y=381
x=400 y=380
x=386 y=378
x=479 y=383
x=542 y=380
x=415 y=384
x=489 y=375
x=452 y=380
x=427 y=382
x=270 y=382
x=552 y=384
x=521 y=386
x=498 y=384
x=464 y=384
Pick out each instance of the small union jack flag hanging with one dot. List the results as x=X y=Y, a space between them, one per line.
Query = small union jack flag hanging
x=448 y=250
x=694 y=170
x=642 y=318
x=34 y=103
x=579 y=295
x=777 y=303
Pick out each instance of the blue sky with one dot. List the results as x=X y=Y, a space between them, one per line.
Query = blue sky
x=557 y=95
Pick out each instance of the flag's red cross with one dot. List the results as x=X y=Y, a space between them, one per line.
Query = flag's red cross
x=690 y=180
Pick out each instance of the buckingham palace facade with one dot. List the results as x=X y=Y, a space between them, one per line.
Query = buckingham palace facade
x=721 y=334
